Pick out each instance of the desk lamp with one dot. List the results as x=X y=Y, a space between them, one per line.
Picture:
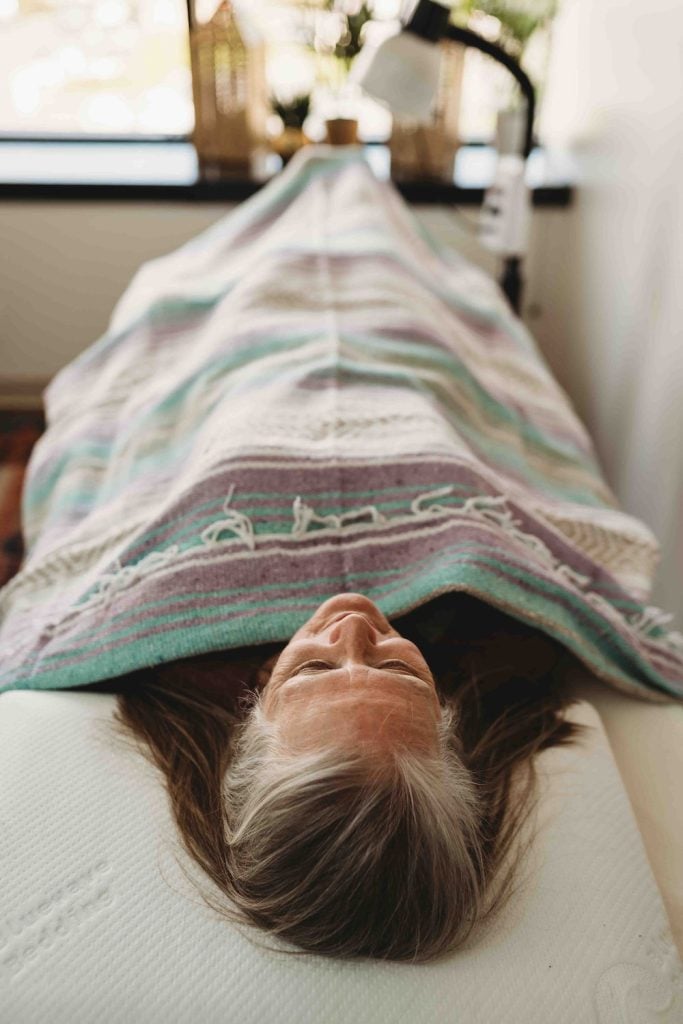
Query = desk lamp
x=403 y=73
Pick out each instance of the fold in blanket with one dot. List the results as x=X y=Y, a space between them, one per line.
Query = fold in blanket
x=312 y=397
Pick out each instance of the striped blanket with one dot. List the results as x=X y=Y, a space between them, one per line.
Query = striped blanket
x=313 y=397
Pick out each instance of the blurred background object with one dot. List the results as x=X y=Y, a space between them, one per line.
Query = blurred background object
x=292 y=114
x=406 y=73
x=19 y=431
x=339 y=38
x=228 y=62
x=113 y=68
x=426 y=151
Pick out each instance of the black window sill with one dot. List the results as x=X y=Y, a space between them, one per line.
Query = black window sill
x=167 y=169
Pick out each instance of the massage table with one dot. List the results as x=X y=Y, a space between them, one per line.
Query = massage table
x=100 y=915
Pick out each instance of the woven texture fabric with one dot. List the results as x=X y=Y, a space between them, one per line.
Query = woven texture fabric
x=310 y=398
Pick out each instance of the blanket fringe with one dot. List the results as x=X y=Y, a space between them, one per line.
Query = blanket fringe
x=485 y=508
x=440 y=492
x=237 y=522
x=303 y=515
x=492 y=508
x=651 y=617
x=119 y=578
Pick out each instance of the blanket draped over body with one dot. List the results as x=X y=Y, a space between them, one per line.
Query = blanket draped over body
x=313 y=397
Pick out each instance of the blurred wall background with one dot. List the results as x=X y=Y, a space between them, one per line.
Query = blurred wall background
x=615 y=98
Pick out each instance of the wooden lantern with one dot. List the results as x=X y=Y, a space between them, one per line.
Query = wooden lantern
x=427 y=151
x=228 y=88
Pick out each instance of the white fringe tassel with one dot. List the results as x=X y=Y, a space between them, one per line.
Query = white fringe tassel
x=303 y=515
x=485 y=508
x=236 y=522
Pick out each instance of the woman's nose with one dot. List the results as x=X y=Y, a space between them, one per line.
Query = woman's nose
x=354 y=629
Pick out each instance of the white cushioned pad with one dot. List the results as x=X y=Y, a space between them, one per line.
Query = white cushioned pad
x=646 y=740
x=99 y=923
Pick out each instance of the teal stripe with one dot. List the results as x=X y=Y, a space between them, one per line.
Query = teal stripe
x=230 y=361
x=424 y=354
x=595 y=630
x=37 y=489
x=281 y=525
x=229 y=592
x=499 y=454
x=90 y=357
x=242 y=502
x=265 y=628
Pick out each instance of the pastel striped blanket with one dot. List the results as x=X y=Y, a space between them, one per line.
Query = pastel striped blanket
x=312 y=397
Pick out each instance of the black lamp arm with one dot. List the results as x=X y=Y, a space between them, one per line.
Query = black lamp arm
x=469 y=38
x=511 y=280
x=430 y=21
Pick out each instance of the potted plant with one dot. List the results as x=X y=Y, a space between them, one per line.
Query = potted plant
x=339 y=37
x=292 y=113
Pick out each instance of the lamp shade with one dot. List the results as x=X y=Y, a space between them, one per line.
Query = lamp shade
x=402 y=72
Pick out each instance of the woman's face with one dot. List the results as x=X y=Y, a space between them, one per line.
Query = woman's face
x=347 y=677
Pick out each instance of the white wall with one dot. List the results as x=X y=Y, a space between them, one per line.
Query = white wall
x=64 y=265
x=615 y=97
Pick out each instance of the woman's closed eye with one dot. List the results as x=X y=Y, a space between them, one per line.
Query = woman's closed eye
x=398 y=664
x=313 y=664
x=325 y=666
x=420 y=672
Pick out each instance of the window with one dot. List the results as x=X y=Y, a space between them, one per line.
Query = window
x=122 y=67
x=110 y=67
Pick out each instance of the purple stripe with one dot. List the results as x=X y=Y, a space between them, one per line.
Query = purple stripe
x=341 y=560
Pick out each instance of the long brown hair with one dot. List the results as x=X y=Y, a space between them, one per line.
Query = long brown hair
x=501 y=706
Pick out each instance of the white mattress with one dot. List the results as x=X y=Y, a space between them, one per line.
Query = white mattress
x=98 y=922
x=646 y=741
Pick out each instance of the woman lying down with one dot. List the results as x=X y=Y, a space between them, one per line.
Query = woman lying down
x=316 y=510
